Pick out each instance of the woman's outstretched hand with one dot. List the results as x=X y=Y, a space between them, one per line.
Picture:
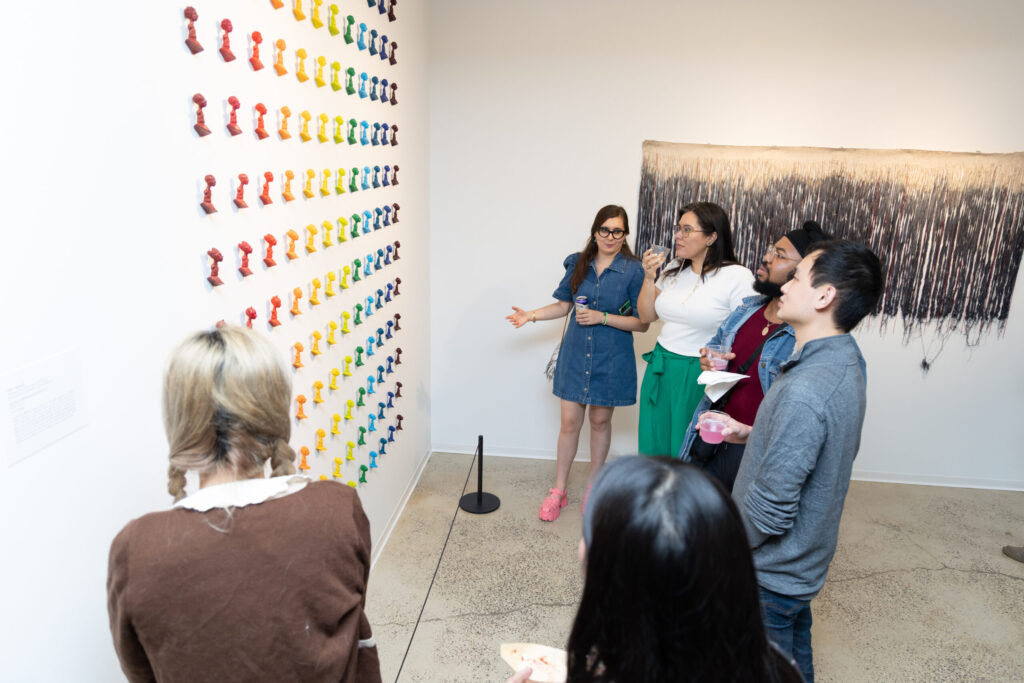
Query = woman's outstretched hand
x=520 y=317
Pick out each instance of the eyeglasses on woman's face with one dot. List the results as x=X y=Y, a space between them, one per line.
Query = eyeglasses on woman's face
x=616 y=234
x=687 y=230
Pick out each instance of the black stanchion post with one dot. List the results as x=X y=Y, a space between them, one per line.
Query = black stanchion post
x=479 y=503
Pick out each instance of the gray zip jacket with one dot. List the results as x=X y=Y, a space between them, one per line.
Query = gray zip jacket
x=792 y=482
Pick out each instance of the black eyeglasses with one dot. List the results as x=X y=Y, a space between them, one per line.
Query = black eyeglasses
x=617 y=233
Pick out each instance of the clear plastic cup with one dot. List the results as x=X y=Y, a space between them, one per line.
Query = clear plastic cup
x=712 y=424
x=716 y=353
x=660 y=250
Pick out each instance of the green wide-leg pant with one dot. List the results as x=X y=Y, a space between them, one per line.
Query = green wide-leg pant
x=668 y=396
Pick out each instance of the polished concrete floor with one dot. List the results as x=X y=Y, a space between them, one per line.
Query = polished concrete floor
x=918 y=590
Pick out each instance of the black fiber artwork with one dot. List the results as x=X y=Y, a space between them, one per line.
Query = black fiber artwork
x=948 y=227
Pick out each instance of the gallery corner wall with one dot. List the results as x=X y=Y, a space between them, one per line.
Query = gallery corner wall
x=108 y=266
x=538 y=116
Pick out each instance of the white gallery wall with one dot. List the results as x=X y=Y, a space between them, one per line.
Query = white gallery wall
x=106 y=258
x=537 y=114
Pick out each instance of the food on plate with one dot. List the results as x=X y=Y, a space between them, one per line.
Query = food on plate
x=549 y=664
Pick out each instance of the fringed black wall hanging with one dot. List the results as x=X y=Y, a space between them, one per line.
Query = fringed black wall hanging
x=949 y=227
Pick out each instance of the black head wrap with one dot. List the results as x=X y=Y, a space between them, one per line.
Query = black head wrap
x=802 y=238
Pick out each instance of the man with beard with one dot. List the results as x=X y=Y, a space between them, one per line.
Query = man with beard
x=760 y=343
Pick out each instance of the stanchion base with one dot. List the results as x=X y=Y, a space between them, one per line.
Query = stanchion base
x=479 y=503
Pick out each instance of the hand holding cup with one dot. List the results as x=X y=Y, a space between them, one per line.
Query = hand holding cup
x=588 y=316
x=718 y=356
x=716 y=427
x=653 y=259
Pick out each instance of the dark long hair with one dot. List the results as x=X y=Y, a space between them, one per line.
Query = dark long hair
x=712 y=219
x=670 y=592
x=590 y=250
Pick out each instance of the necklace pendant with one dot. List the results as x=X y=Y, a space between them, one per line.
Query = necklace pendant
x=764 y=331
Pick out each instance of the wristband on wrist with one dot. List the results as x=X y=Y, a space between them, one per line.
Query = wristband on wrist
x=605 y=321
x=533 y=319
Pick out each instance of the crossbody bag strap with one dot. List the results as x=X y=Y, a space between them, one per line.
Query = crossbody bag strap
x=565 y=326
x=741 y=370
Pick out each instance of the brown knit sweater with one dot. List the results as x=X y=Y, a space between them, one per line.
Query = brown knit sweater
x=278 y=595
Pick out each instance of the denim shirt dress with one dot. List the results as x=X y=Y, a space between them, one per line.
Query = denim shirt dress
x=776 y=351
x=597 y=364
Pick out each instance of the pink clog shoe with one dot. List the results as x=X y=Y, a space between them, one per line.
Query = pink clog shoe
x=552 y=505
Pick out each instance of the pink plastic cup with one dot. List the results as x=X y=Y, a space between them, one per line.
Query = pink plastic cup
x=716 y=353
x=712 y=424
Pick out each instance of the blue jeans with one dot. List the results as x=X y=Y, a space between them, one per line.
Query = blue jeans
x=788 y=623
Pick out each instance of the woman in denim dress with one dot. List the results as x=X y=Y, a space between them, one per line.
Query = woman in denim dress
x=596 y=365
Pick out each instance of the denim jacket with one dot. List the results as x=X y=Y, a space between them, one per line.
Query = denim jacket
x=774 y=353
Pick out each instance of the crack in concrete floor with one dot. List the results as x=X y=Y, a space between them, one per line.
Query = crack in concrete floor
x=500 y=613
x=904 y=570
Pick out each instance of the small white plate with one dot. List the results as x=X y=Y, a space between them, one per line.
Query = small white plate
x=549 y=664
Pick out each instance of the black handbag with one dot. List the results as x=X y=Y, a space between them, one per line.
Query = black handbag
x=702 y=452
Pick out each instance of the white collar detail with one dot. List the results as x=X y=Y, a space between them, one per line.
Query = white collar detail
x=242 y=493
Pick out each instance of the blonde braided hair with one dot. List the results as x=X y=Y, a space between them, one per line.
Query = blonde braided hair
x=226 y=401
